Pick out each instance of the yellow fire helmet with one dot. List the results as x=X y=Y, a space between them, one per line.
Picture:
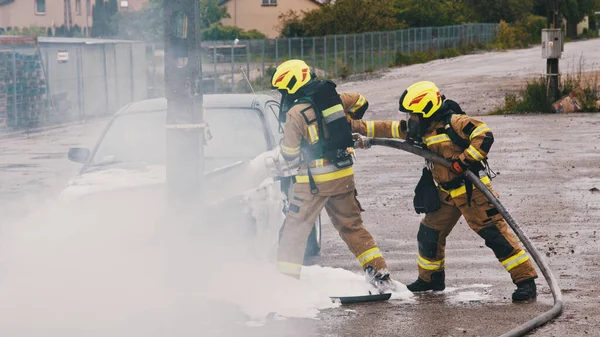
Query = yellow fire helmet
x=421 y=98
x=291 y=76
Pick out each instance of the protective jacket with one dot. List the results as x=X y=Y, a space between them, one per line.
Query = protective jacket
x=303 y=134
x=335 y=190
x=478 y=136
x=475 y=142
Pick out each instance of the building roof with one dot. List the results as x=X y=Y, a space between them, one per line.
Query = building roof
x=77 y=40
x=17 y=40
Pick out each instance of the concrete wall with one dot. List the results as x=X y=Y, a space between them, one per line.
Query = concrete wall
x=22 y=13
x=251 y=14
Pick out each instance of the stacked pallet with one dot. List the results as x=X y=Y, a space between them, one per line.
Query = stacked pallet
x=23 y=101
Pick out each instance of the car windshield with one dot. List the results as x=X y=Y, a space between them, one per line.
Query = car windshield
x=237 y=134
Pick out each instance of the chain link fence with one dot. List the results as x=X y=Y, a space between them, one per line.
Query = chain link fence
x=61 y=80
x=227 y=64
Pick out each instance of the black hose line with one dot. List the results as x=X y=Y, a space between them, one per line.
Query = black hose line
x=545 y=317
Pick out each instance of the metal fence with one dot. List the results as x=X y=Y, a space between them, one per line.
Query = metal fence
x=226 y=63
x=66 y=79
x=63 y=80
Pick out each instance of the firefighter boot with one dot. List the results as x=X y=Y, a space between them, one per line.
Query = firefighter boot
x=438 y=283
x=525 y=292
x=380 y=279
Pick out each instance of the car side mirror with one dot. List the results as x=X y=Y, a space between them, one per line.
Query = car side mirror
x=78 y=155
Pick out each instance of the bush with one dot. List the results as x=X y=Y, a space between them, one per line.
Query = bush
x=217 y=31
x=521 y=34
x=585 y=86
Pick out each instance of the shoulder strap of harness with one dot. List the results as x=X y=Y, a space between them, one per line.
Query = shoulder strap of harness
x=454 y=137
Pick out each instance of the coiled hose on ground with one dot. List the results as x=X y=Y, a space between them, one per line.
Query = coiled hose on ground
x=538 y=321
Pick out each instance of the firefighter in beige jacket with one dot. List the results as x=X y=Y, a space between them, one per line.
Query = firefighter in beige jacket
x=442 y=127
x=317 y=131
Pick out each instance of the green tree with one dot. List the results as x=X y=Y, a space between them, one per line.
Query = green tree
x=219 y=32
x=342 y=17
x=291 y=25
x=148 y=23
x=496 y=10
x=99 y=19
x=427 y=13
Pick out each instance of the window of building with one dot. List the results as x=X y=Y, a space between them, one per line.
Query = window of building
x=88 y=7
x=78 y=7
x=269 y=2
x=40 y=6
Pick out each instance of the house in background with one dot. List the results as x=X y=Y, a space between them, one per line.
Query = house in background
x=45 y=13
x=263 y=15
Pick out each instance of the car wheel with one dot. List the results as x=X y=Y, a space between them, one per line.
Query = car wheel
x=313 y=244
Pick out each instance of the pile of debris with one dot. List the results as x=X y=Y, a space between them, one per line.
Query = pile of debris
x=571 y=102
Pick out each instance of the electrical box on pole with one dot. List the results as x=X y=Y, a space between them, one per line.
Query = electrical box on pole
x=183 y=87
x=552 y=43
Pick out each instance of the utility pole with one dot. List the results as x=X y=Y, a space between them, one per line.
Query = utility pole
x=185 y=123
x=552 y=71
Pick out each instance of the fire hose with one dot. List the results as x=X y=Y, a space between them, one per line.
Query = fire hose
x=537 y=321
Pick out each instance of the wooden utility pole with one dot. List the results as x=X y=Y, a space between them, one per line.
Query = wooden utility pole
x=185 y=124
x=552 y=63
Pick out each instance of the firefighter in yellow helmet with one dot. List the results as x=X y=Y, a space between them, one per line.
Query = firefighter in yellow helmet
x=317 y=132
x=440 y=125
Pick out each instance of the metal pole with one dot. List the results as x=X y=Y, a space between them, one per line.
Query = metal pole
x=335 y=54
x=276 y=53
x=232 y=67
x=105 y=77
x=325 y=54
x=345 y=50
x=380 y=49
x=80 y=80
x=116 y=76
x=302 y=48
x=289 y=48
x=354 y=61
x=402 y=42
x=14 y=64
x=364 y=52
x=314 y=54
x=263 y=58
x=132 y=73
x=248 y=59
x=216 y=76
x=372 y=50
x=395 y=44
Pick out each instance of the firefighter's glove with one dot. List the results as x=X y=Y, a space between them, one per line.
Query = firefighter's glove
x=360 y=141
x=458 y=166
x=278 y=166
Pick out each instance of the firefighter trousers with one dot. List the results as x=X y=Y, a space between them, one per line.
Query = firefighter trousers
x=343 y=210
x=484 y=219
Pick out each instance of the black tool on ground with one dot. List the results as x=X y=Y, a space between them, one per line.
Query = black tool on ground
x=361 y=299
x=545 y=317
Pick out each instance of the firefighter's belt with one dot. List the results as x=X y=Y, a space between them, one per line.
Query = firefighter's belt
x=462 y=189
x=320 y=178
